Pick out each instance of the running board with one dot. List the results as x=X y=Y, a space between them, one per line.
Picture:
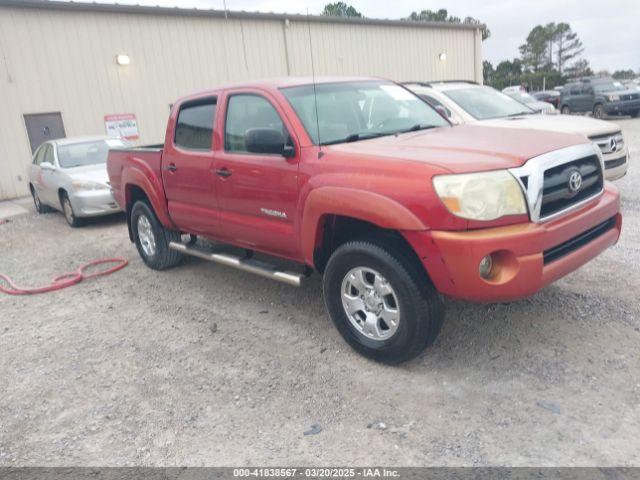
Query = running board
x=247 y=264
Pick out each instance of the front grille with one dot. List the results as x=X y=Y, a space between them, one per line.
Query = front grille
x=610 y=143
x=557 y=194
x=615 y=163
x=581 y=240
x=630 y=96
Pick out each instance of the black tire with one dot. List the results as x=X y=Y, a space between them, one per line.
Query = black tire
x=162 y=257
x=67 y=211
x=598 y=111
x=421 y=306
x=39 y=206
x=565 y=110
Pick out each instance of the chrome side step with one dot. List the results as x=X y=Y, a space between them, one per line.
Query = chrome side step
x=246 y=264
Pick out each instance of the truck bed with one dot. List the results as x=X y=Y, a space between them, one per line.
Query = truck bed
x=145 y=161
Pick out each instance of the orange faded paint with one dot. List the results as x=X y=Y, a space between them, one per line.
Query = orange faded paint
x=360 y=204
x=452 y=258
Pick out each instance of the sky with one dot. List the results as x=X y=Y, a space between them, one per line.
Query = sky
x=609 y=29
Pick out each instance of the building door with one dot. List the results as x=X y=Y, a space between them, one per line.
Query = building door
x=42 y=127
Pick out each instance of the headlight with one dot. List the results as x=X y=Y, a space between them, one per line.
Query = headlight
x=613 y=98
x=88 y=185
x=481 y=196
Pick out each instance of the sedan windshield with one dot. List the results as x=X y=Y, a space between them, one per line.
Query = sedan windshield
x=483 y=103
x=352 y=111
x=86 y=153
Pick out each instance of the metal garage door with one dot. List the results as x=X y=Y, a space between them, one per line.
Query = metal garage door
x=42 y=127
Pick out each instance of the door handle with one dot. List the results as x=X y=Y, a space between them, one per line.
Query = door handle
x=172 y=167
x=223 y=172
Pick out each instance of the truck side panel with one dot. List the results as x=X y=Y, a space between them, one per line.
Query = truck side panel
x=130 y=170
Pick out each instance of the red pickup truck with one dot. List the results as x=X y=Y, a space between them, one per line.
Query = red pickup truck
x=365 y=183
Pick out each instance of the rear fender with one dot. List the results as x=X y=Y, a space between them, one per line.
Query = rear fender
x=358 y=204
x=138 y=173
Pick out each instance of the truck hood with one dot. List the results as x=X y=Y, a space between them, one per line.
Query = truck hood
x=462 y=148
x=91 y=173
x=586 y=126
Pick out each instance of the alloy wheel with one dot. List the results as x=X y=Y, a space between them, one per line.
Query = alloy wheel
x=146 y=236
x=370 y=303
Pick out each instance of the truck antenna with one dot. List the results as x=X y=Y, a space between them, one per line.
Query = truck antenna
x=313 y=80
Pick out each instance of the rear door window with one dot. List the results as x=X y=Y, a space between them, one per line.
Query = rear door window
x=194 y=127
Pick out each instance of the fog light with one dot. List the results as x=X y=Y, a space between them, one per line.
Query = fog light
x=485 y=266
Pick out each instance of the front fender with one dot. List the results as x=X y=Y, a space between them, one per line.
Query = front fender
x=141 y=175
x=359 y=204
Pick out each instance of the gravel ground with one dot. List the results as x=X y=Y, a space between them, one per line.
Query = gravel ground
x=206 y=365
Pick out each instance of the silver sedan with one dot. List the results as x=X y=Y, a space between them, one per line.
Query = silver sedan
x=70 y=175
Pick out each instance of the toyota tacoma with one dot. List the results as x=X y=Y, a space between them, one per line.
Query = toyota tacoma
x=364 y=182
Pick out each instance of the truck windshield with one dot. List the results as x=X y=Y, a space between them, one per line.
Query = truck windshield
x=86 y=153
x=352 y=111
x=483 y=103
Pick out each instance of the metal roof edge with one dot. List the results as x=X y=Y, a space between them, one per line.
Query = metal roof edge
x=228 y=14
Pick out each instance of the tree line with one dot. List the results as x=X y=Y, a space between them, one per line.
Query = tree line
x=550 y=55
x=341 y=9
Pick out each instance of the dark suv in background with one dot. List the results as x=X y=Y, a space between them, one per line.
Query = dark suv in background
x=600 y=96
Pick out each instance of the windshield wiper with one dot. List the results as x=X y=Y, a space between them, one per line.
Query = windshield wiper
x=417 y=127
x=354 y=137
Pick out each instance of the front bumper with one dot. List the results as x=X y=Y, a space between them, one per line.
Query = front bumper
x=93 y=203
x=452 y=258
x=621 y=107
x=615 y=167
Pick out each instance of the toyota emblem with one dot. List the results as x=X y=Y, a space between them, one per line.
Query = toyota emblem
x=613 y=145
x=575 y=181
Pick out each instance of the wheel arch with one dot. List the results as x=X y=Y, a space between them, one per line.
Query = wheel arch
x=334 y=215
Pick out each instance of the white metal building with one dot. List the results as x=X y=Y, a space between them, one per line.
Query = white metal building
x=60 y=75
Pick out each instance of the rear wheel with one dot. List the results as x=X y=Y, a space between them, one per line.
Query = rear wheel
x=39 y=206
x=381 y=304
x=152 y=238
x=67 y=210
x=565 y=110
x=598 y=111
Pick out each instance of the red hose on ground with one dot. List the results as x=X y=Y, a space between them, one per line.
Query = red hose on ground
x=66 y=279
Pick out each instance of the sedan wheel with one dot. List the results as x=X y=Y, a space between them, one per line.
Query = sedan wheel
x=37 y=202
x=69 y=214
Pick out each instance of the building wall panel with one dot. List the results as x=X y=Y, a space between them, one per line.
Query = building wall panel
x=63 y=60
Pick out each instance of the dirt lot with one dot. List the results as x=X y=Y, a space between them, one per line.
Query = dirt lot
x=205 y=365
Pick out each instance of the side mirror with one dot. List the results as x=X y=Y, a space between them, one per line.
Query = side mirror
x=442 y=111
x=264 y=140
x=47 y=166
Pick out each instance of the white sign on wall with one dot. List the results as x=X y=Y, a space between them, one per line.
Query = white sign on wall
x=122 y=125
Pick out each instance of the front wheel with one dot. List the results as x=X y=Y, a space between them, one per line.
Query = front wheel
x=565 y=110
x=598 y=111
x=381 y=304
x=67 y=210
x=152 y=238
x=37 y=203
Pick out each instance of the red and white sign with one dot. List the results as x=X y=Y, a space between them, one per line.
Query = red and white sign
x=122 y=125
